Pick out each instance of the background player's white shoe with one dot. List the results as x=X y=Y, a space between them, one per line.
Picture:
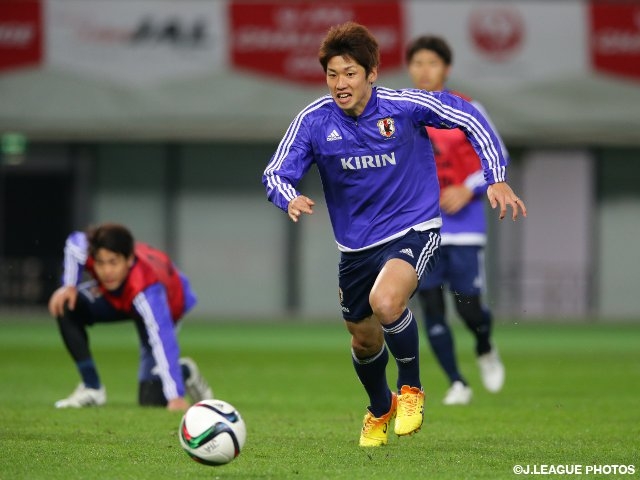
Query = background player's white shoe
x=84 y=397
x=491 y=370
x=458 y=394
x=197 y=387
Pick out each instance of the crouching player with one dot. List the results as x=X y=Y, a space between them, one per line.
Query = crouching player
x=131 y=281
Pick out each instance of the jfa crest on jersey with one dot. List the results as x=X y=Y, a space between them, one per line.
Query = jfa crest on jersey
x=387 y=127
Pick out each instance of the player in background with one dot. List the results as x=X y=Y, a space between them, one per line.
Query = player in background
x=464 y=233
x=381 y=188
x=131 y=280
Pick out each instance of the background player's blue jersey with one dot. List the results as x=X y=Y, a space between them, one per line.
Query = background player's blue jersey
x=377 y=170
x=458 y=164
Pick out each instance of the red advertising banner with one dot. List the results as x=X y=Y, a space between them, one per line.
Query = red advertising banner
x=615 y=38
x=20 y=34
x=281 y=39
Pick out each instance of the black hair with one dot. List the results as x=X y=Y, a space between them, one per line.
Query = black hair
x=430 y=42
x=110 y=236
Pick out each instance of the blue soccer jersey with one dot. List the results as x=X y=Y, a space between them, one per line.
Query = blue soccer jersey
x=377 y=170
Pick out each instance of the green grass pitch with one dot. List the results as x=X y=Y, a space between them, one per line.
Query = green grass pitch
x=572 y=396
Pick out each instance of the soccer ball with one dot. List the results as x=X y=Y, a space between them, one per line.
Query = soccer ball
x=212 y=432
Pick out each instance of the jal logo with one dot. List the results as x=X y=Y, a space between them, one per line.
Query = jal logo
x=497 y=32
x=21 y=37
x=281 y=38
x=172 y=32
x=614 y=38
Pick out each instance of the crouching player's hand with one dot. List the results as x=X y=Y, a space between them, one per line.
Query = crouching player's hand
x=177 y=404
x=63 y=295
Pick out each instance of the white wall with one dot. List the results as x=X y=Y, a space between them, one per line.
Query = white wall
x=557 y=261
x=231 y=249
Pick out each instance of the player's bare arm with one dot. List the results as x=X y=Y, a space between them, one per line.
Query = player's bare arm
x=454 y=197
x=298 y=206
x=66 y=294
x=501 y=194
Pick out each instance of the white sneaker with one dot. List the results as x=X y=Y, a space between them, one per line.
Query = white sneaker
x=197 y=387
x=458 y=394
x=84 y=397
x=491 y=370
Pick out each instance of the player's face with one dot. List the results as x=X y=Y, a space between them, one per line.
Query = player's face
x=428 y=71
x=111 y=268
x=349 y=84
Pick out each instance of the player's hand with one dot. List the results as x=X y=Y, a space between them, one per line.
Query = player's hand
x=454 y=197
x=178 y=404
x=300 y=205
x=501 y=194
x=67 y=294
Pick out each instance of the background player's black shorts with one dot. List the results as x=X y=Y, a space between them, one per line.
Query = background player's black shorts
x=358 y=270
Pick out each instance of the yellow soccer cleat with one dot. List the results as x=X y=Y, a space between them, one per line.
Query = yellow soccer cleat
x=374 y=430
x=410 y=410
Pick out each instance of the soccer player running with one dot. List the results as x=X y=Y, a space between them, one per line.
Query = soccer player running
x=381 y=188
x=131 y=280
x=464 y=232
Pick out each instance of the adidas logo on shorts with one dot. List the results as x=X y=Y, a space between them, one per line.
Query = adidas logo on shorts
x=407 y=251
